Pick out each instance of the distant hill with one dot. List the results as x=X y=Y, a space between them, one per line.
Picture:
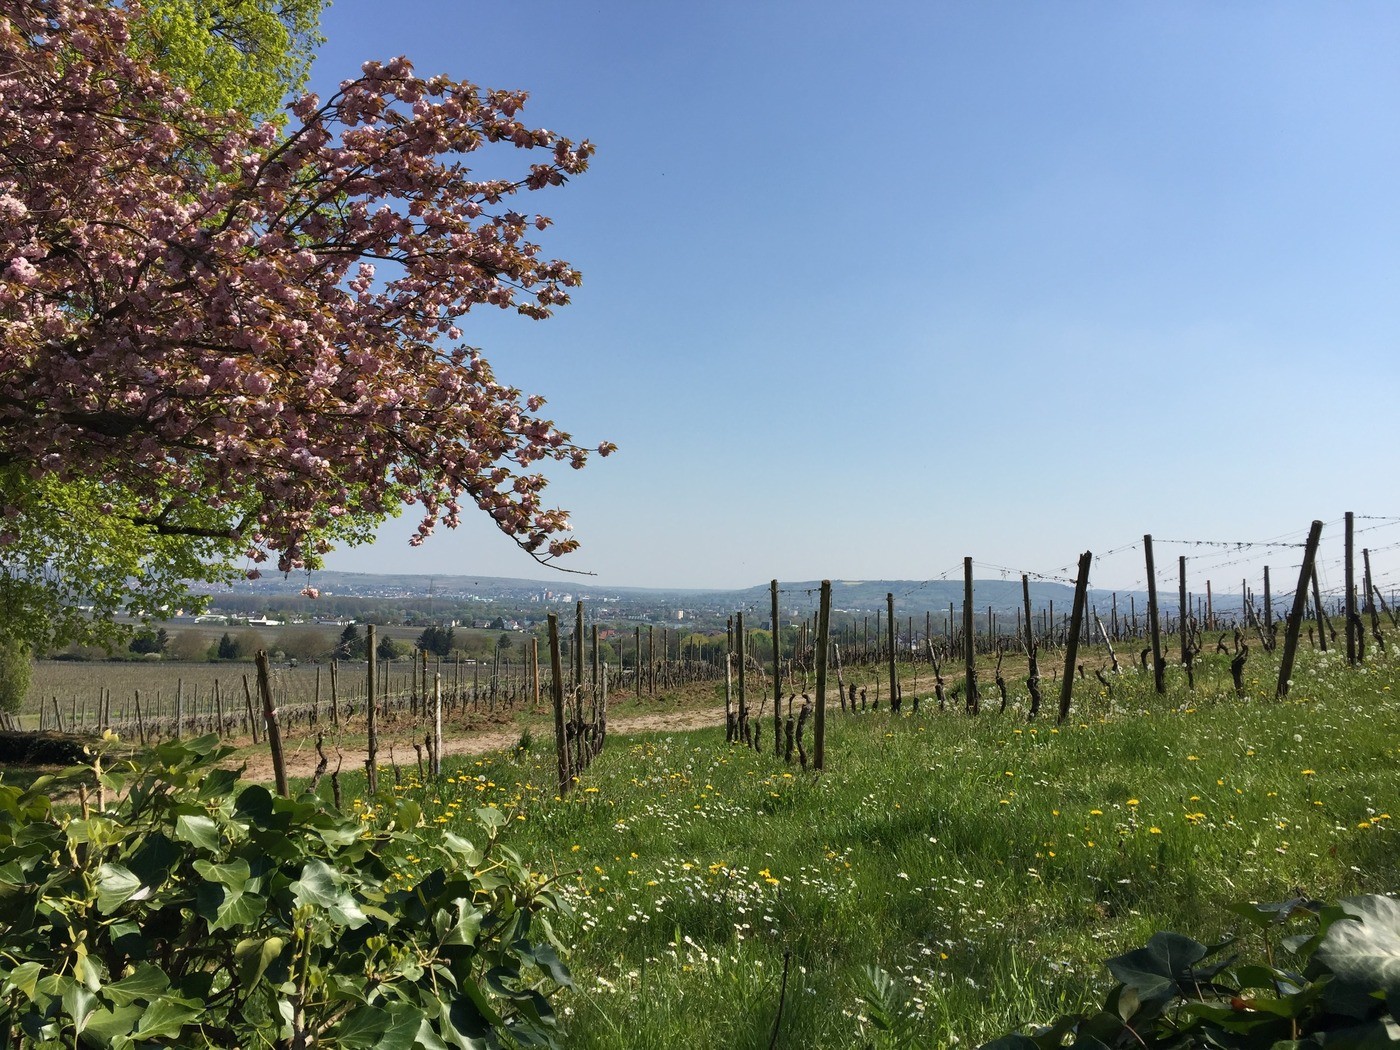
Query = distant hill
x=912 y=597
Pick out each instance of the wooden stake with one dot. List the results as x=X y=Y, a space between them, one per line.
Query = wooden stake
x=371 y=717
x=974 y=704
x=436 y=759
x=1300 y=607
x=335 y=698
x=1159 y=668
x=252 y=718
x=1182 y=612
x=1321 y=615
x=561 y=746
x=274 y=732
x=823 y=640
x=731 y=722
x=777 y=664
x=1076 y=622
x=894 y=681
x=1352 y=618
x=1268 y=611
x=739 y=657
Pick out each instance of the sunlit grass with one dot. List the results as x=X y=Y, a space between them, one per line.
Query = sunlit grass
x=988 y=864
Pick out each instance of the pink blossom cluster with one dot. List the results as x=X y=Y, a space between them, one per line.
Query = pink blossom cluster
x=261 y=322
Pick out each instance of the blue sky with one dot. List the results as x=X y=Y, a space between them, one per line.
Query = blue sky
x=870 y=289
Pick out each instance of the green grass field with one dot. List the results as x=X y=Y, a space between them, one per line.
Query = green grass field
x=985 y=864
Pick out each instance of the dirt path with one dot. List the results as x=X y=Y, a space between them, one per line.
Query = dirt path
x=301 y=757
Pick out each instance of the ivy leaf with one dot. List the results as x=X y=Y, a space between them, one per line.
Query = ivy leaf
x=25 y=977
x=115 y=886
x=147 y=983
x=218 y=783
x=106 y=1024
x=546 y=959
x=198 y=831
x=319 y=884
x=1264 y=915
x=78 y=1003
x=460 y=928
x=155 y=859
x=234 y=874
x=491 y=818
x=405 y=1022
x=322 y=885
x=362 y=1028
x=408 y=815
x=470 y=855
x=1156 y=972
x=165 y=1018
x=238 y=909
x=255 y=803
x=254 y=955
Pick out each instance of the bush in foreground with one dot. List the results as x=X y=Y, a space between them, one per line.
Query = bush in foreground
x=1334 y=986
x=200 y=911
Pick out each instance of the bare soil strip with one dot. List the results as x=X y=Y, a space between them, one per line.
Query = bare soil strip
x=301 y=758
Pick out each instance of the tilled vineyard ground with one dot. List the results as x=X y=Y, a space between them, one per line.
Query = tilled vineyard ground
x=301 y=756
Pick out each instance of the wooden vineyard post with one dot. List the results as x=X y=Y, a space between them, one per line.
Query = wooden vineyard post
x=1154 y=626
x=1350 y=573
x=371 y=721
x=777 y=668
x=889 y=632
x=1029 y=640
x=179 y=707
x=535 y=665
x=840 y=677
x=274 y=732
x=637 y=662
x=561 y=745
x=1181 y=615
x=731 y=724
x=578 y=647
x=140 y=722
x=1321 y=615
x=1076 y=622
x=252 y=718
x=823 y=642
x=1366 y=588
x=437 y=725
x=739 y=658
x=651 y=660
x=1385 y=608
x=335 y=694
x=1268 y=610
x=597 y=672
x=579 y=762
x=1107 y=641
x=1300 y=607
x=974 y=704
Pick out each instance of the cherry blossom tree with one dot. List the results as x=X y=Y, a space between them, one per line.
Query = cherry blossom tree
x=244 y=338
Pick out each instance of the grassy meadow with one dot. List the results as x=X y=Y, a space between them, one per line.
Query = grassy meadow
x=946 y=878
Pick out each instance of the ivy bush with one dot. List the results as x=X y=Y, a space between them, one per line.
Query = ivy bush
x=199 y=911
x=1335 y=986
